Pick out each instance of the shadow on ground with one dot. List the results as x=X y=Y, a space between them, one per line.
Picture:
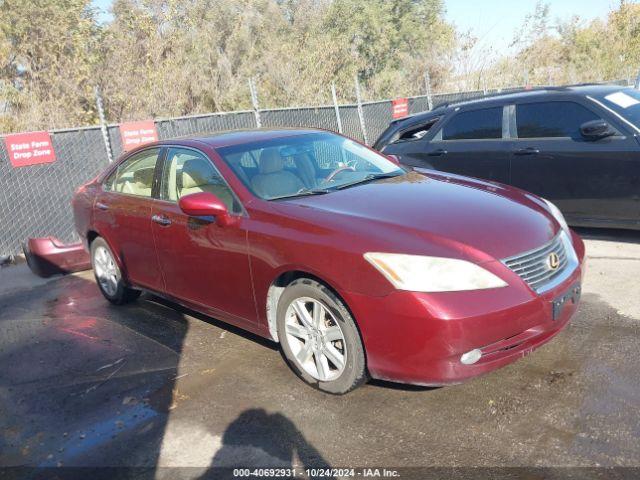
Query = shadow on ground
x=609 y=234
x=86 y=384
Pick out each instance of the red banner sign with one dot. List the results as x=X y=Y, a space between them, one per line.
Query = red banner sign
x=30 y=148
x=134 y=134
x=400 y=107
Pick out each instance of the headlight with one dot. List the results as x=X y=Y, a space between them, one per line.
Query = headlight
x=557 y=214
x=418 y=273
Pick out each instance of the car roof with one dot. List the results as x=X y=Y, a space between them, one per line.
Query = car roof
x=238 y=137
x=502 y=98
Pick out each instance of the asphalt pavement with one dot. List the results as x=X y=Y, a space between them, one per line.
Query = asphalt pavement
x=154 y=386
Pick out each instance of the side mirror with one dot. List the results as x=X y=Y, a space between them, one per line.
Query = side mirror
x=596 y=129
x=205 y=204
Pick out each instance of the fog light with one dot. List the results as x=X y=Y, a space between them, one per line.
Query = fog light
x=471 y=357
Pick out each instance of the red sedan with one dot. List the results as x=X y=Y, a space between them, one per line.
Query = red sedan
x=355 y=266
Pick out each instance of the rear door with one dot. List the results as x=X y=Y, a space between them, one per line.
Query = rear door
x=122 y=215
x=470 y=142
x=590 y=181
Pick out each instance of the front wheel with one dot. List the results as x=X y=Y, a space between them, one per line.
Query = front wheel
x=108 y=274
x=319 y=337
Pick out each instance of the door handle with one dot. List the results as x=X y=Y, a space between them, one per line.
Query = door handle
x=102 y=206
x=437 y=153
x=527 y=151
x=161 y=219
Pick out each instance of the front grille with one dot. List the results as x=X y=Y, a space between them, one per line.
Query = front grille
x=533 y=266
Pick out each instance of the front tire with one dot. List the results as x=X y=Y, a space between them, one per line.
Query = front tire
x=108 y=274
x=319 y=337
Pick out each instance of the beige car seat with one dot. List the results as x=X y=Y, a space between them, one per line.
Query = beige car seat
x=273 y=180
x=141 y=183
x=197 y=176
x=306 y=170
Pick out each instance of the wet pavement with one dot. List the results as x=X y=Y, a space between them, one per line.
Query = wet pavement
x=84 y=383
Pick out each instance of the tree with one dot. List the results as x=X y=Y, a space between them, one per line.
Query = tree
x=49 y=50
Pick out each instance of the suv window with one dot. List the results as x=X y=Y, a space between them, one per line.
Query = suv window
x=135 y=175
x=474 y=125
x=551 y=119
x=187 y=172
x=417 y=131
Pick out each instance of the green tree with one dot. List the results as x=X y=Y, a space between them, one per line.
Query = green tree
x=49 y=50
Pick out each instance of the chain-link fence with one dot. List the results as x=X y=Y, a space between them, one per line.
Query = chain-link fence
x=35 y=200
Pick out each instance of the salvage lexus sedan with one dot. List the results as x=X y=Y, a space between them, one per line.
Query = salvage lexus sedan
x=355 y=266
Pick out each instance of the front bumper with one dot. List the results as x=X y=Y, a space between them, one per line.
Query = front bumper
x=419 y=338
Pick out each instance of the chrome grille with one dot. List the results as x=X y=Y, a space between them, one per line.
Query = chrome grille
x=533 y=266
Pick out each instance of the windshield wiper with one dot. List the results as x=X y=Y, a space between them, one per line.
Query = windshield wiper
x=304 y=193
x=369 y=178
x=321 y=191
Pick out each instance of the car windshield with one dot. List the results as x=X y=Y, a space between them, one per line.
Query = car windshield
x=625 y=102
x=309 y=164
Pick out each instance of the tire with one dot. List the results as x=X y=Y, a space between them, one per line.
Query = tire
x=108 y=275
x=326 y=330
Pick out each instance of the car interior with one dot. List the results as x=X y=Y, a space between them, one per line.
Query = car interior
x=138 y=182
x=189 y=173
x=271 y=174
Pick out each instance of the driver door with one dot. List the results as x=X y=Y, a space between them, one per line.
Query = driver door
x=201 y=261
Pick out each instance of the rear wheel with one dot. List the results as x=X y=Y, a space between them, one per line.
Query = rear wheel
x=319 y=337
x=108 y=274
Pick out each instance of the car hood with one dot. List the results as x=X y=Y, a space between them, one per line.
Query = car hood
x=479 y=220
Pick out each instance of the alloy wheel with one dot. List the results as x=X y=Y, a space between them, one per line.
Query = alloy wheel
x=106 y=270
x=315 y=338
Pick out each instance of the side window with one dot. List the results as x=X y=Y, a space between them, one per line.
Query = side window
x=551 y=119
x=417 y=131
x=187 y=171
x=135 y=175
x=474 y=125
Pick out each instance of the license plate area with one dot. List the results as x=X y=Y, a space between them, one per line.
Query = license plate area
x=571 y=296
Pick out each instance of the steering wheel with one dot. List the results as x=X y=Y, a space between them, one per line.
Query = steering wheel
x=337 y=171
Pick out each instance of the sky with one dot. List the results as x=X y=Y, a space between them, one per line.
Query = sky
x=495 y=22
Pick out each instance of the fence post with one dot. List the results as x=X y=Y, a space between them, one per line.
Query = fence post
x=427 y=87
x=360 y=111
x=636 y=85
x=103 y=125
x=485 y=91
x=336 y=107
x=254 y=102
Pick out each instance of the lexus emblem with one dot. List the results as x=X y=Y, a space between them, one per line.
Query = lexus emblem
x=553 y=261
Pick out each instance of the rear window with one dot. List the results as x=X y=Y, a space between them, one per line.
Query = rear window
x=552 y=119
x=475 y=125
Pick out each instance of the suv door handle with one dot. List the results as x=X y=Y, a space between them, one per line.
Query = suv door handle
x=161 y=219
x=437 y=153
x=102 y=206
x=527 y=151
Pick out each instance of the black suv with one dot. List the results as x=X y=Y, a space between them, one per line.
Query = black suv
x=577 y=146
